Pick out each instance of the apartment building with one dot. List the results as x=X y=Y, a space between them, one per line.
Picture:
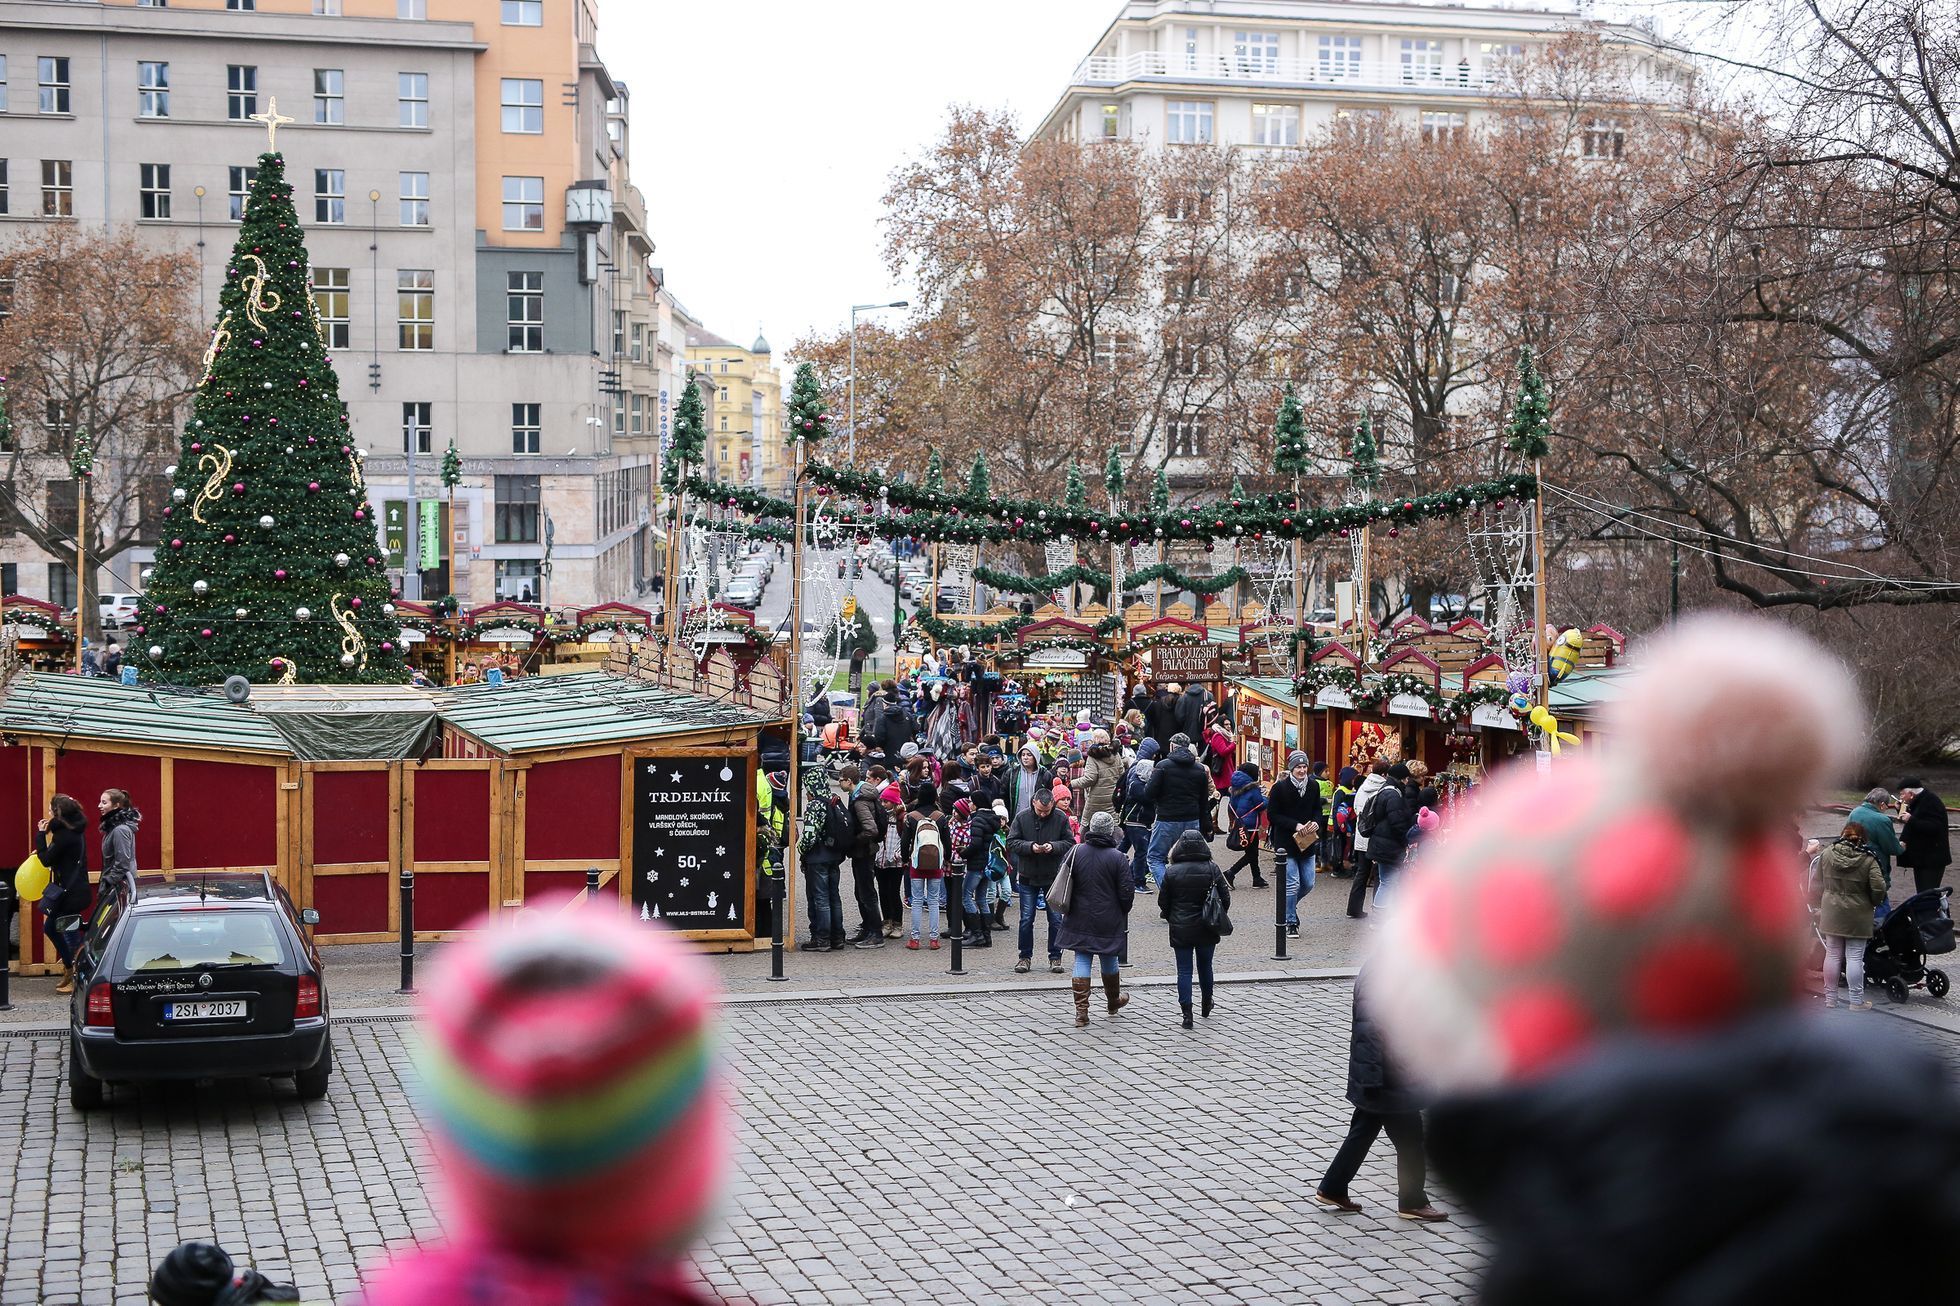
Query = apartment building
x=1261 y=74
x=745 y=414
x=479 y=253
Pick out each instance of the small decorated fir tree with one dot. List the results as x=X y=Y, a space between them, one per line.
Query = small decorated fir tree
x=806 y=417
x=935 y=473
x=1160 y=493
x=1113 y=475
x=1075 y=497
x=1290 y=436
x=269 y=567
x=690 y=439
x=1529 y=433
x=1364 y=464
x=452 y=468
x=980 y=484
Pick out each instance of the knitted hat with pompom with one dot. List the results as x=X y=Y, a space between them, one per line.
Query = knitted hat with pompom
x=1648 y=884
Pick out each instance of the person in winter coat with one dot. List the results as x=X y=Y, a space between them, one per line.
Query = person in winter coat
x=972 y=833
x=1848 y=890
x=1102 y=771
x=1191 y=877
x=1394 y=827
x=1293 y=813
x=889 y=862
x=1190 y=709
x=898 y=726
x=117 y=820
x=868 y=827
x=836 y=839
x=58 y=842
x=1137 y=813
x=1098 y=914
x=1874 y=814
x=1028 y=778
x=1248 y=805
x=1182 y=794
x=1384 y=1100
x=1364 y=797
x=1927 y=848
x=1038 y=839
x=1160 y=718
x=1339 y=855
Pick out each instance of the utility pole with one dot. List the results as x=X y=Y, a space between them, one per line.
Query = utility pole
x=793 y=827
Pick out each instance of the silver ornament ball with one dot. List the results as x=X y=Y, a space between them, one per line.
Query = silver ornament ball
x=240 y=613
x=156 y=652
x=200 y=587
x=147 y=573
x=265 y=523
x=304 y=614
x=387 y=609
x=340 y=560
x=346 y=659
x=170 y=470
x=179 y=495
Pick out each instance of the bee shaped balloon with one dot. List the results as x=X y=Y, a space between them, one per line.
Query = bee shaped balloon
x=1565 y=654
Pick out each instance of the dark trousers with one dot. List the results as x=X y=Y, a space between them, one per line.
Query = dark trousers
x=1411 y=1170
x=864 y=884
x=66 y=942
x=1358 y=887
x=891 y=893
x=1248 y=860
x=1927 y=877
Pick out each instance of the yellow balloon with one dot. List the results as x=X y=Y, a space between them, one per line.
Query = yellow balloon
x=1565 y=654
x=31 y=880
x=1542 y=718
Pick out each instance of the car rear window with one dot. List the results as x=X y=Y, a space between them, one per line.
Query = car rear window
x=179 y=940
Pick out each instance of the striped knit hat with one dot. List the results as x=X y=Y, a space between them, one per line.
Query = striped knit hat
x=571 y=1087
x=1648 y=883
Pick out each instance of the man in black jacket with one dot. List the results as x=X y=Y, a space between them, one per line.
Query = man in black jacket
x=821 y=863
x=1294 y=810
x=1383 y=1100
x=1037 y=840
x=1394 y=818
x=1180 y=790
x=899 y=726
x=1191 y=711
x=1160 y=718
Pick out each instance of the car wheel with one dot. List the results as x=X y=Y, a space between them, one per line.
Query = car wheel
x=312 y=1082
x=84 y=1089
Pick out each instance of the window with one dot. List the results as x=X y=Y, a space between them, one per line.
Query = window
x=57 y=428
x=329 y=195
x=523 y=13
x=639 y=415
x=524 y=205
x=1255 y=53
x=416 y=432
x=1605 y=138
x=3 y=206
x=1187 y=437
x=61 y=582
x=330 y=299
x=1191 y=49
x=415 y=308
x=1422 y=61
x=329 y=96
x=523 y=103
x=639 y=342
x=517 y=579
x=1186 y=283
x=326 y=8
x=618 y=333
x=1500 y=58
x=241 y=91
x=1112 y=121
x=1181 y=206
x=411 y=8
x=241 y=6
x=1368 y=125
x=517 y=510
x=723 y=396
x=526 y=313
x=54 y=85
x=1190 y=358
x=3 y=105
x=415 y=199
x=154 y=182
x=1340 y=58
x=1442 y=128
x=241 y=190
x=1275 y=124
x=1115 y=351
x=57 y=188
x=724 y=452
x=412 y=96
x=525 y=431
x=1188 y=122
x=152 y=90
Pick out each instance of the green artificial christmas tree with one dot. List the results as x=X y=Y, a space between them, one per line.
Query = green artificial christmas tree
x=1076 y=496
x=1113 y=476
x=689 y=443
x=935 y=473
x=806 y=418
x=979 y=485
x=1290 y=436
x=1238 y=491
x=269 y=567
x=1364 y=464
x=1530 y=431
x=1160 y=493
x=452 y=468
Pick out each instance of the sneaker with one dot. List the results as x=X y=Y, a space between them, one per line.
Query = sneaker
x=912 y=945
x=1055 y=968
x=933 y=944
x=1293 y=931
x=1426 y=1214
x=892 y=929
x=870 y=941
x=1341 y=1204
x=1023 y=966
x=1857 y=1006
x=815 y=945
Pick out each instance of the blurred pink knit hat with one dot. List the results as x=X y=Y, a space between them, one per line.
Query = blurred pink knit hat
x=1648 y=882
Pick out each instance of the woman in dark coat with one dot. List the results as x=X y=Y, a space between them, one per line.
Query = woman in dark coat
x=58 y=841
x=1924 y=834
x=1383 y=1100
x=1190 y=876
x=1098 y=913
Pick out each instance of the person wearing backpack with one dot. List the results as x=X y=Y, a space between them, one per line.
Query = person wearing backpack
x=1138 y=812
x=835 y=839
x=1190 y=878
x=1364 y=824
x=869 y=824
x=927 y=880
x=972 y=836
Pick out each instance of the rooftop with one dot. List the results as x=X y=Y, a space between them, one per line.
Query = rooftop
x=584 y=708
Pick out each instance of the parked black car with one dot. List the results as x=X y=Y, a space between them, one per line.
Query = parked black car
x=203 y=977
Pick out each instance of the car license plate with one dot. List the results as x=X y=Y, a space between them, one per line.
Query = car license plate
x=234 y=1010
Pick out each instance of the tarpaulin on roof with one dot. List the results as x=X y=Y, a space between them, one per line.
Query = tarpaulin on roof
x=358 y=736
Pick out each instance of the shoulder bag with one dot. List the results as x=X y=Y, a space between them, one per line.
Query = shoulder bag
x=1062 y=892
x=1213 y=913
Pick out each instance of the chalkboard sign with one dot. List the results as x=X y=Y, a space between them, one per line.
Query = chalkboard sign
x=692 y=844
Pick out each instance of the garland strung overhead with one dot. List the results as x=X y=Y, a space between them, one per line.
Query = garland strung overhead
x=1176 y=579
x=1032 y=585
x=748 y=500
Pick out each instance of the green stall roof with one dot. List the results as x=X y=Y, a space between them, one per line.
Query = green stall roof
x=590 y=707
x=87 y=707
x=1273 y=687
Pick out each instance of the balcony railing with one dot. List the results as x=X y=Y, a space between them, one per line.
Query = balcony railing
x=1370 y=75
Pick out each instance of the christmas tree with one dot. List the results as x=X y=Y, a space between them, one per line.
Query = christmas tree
x=270 y=568
x=690 y=439
x=979 y=485
x=1113 y=476
x=1364 y=466
x=808 y=418
x=1290 y=436
x=1160 y=493
x=1075 y=497
x=452 y=468
x=1530 y=431
x=935 y=473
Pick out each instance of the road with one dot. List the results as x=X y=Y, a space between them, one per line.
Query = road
x=820 y=597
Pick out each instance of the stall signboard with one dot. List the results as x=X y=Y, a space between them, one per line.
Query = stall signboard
x=394 y=530
x=1185 y=662
x=1408 y=705
x=1269 y=723
x=1330 y=696
x=1057 y=659
x=691 y=840
x=411 y=636
x=504 y=635
x=1493 y=716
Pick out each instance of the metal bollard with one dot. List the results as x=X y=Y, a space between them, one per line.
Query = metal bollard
x=956 y=921
x=591 y=886
x=408 y=930
x=778 y=896
x=6 y=962
x=1280 y=873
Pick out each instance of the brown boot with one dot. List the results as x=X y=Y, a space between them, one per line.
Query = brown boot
x=1113 y=990
x=1081 y=987
x=67 y=984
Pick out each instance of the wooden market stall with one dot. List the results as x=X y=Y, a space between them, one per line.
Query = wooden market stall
x=41 y=633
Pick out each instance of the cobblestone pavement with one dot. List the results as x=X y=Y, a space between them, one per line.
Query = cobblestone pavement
x=960 y=1149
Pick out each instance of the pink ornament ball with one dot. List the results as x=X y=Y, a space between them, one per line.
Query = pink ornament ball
x=142 y=630
x=357 y=603
x=175 y=544
x=195 y=446
x=279 y=574
x=168 y=511
x=238 y=487
x=387 y=646
x=314 y=439
x=312 y=487
x=231 y=539
x=161 y=609
x=206 y=632
x=359 y=515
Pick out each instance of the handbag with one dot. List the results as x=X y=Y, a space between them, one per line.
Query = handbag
x=1235 y=838
x=1213 y=913
x=1062 y=892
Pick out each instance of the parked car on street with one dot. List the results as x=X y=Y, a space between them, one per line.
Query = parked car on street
x=743 y=593
x=118 y=610
x=204 y=977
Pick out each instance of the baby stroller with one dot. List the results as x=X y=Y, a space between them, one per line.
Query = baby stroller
x=1919 y=927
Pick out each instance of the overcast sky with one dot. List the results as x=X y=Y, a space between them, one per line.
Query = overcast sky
x=764 y=132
